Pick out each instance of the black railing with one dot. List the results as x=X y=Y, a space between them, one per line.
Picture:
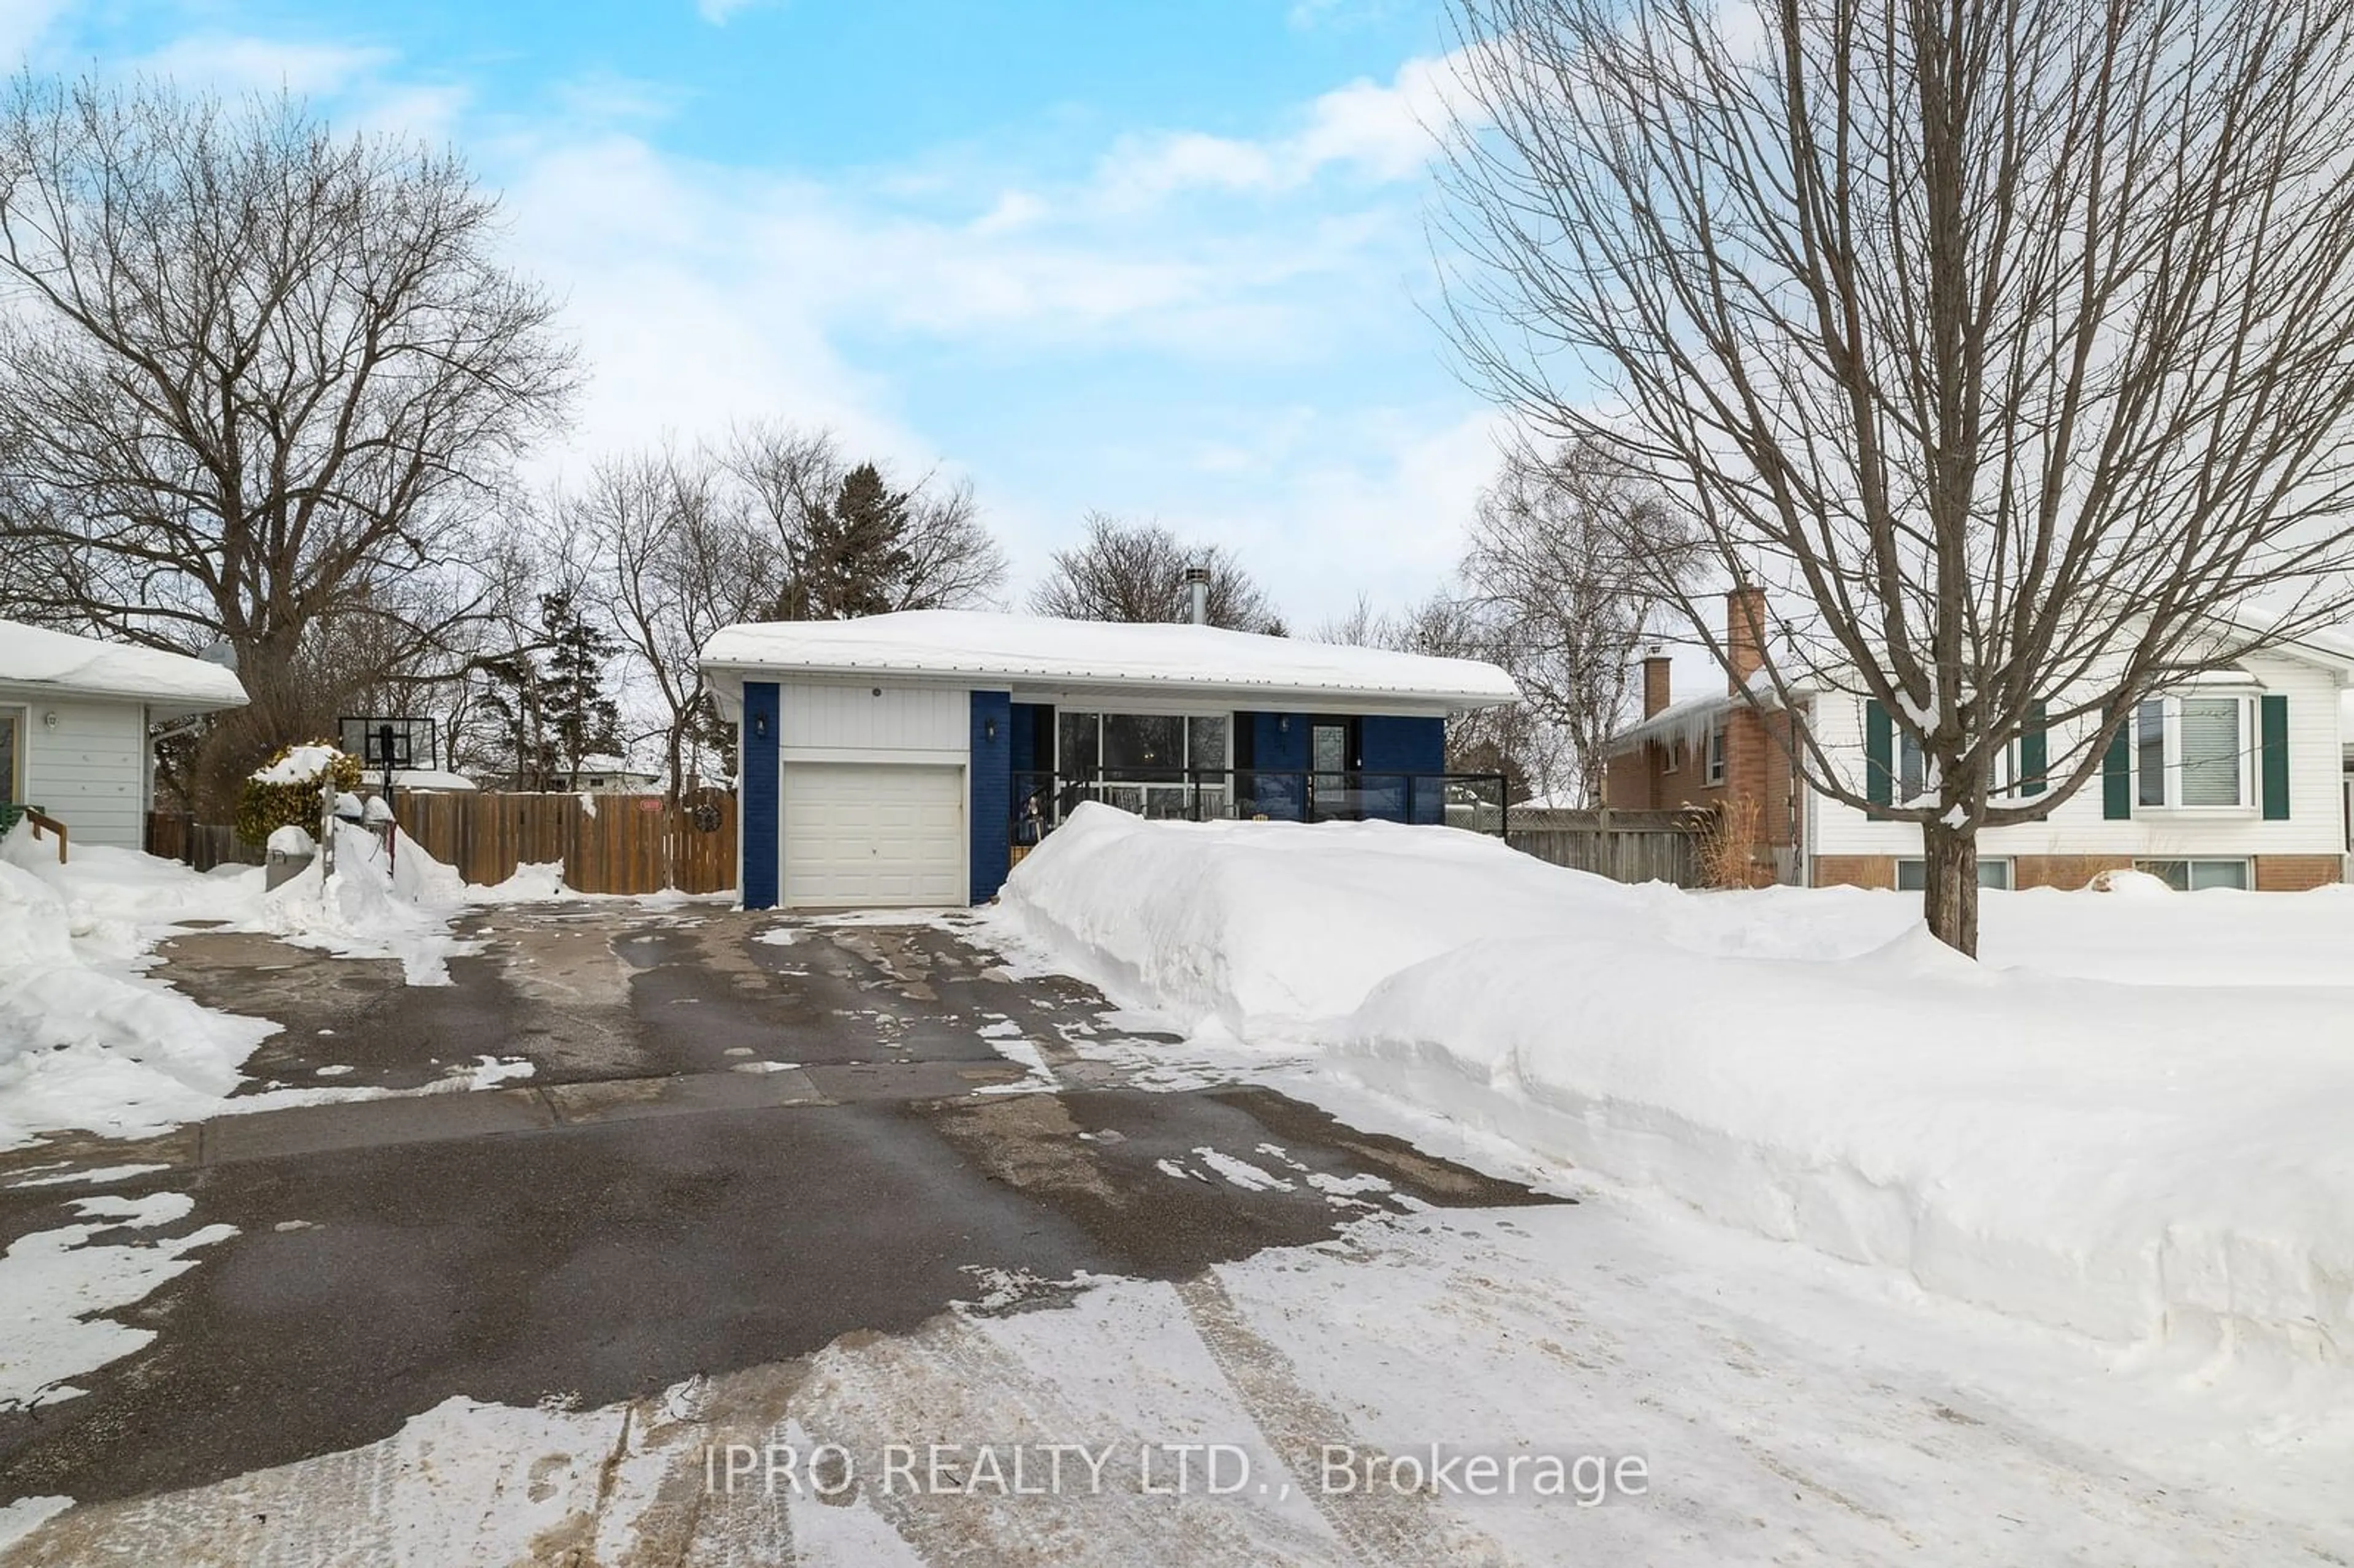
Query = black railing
x=1473 y=800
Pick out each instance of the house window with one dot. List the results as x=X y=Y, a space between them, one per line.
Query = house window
x=2196 y=875
x=1912 y=875
x=1142 y=762
x=2192 y=752
x=12 y=755
x=1714 y=773
x=1913 y=778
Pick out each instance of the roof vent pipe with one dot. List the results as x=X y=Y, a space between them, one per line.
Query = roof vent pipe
x=1197 y=595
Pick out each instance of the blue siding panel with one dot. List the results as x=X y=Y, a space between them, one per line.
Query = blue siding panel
x=1278 y=743
x=757 y=874
x=1392 y=745
x=992 y=779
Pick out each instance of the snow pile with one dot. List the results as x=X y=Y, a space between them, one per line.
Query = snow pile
x=532 y=882
x=87 y=1041
x=2139 y=1162
x=369 y=908
x=83 y=1040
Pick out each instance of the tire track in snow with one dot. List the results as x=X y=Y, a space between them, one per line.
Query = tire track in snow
x=1382 y=1529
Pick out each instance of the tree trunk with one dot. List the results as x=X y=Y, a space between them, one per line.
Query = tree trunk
x=1949 y=898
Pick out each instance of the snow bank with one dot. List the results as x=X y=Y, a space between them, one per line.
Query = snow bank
x=84 y=1042
x=369 y=908
x=87 y=1041
x=2140 y=1163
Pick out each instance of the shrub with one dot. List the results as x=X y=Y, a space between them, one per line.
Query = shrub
x=285 y=790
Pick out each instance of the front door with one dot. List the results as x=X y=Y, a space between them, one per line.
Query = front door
x=1328 y=759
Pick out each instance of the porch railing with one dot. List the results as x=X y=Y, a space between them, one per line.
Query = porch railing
x=1473 y=800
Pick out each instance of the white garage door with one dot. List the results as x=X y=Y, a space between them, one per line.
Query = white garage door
x=873 y=833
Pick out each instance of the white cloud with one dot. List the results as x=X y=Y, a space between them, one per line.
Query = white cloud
x=263 y=64
x=719 y=13
x=1379 y=131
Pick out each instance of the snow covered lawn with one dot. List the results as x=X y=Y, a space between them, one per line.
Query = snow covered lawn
x=2130 y=1121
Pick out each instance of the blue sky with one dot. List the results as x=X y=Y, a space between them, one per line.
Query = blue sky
x=1157 y=258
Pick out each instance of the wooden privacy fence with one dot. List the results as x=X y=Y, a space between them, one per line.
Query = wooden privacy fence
x=175 y=835
x=608 y=844
x=622 y=844
x=1626 y=846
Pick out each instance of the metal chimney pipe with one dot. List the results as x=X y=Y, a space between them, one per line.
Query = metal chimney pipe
x=1197 y=595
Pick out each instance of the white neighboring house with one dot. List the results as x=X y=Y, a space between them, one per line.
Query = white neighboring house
x=75 y=716
x=604 y=774
x=2229 y=778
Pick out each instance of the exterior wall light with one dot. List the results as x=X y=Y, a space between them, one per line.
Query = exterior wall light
x=760 y=725
x=988 y=727
x=49 y=719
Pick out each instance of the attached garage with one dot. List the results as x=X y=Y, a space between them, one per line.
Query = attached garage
x=867 y=833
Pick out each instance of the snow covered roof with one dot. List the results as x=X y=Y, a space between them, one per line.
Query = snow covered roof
x=35 y=656
x=982 y=647
x=430 y=778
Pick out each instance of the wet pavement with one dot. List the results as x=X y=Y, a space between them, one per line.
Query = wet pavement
x=741 y=1137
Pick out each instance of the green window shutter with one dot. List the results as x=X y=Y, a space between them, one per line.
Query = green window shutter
x=2275 y=730
x=1879 y=754
x=2116 y=777
x=2035 y=751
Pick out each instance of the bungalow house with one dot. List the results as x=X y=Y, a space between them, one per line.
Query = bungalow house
x=75 y=716
x=2234 y=779
x=905 y=758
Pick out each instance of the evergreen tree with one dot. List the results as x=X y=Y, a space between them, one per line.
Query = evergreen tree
x=854 y=556
x=579 y=719
x=551 y=697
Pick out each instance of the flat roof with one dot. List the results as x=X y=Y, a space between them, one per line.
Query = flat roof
x=986 y=649
x=35 y=656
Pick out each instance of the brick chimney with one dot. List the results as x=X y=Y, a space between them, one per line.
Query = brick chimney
x=1654 y=680
x=1745 y=633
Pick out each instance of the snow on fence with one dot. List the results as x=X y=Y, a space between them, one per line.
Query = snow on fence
x=1626 y=846
x=607 y=844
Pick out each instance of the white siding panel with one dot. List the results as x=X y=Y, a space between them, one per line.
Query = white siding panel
x=2316 y=823
x=833 y=718
x=90 y=772
x=873 y=834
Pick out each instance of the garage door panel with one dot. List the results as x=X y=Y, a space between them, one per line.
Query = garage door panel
x=874 y=833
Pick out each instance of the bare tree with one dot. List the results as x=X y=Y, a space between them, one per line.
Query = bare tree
x=1516 y=739
x=2010 y=346
x=1136 y=571
x=1565 y=571
x=920 y=545
x=254 y=379
x=673 y=561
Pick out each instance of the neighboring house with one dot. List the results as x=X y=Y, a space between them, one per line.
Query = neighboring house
x=75 y=715
x=2232 y=779
x=902 y=758
x=434 y=779
x=610 y=775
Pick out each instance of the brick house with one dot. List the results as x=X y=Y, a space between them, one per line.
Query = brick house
x=2235 y=779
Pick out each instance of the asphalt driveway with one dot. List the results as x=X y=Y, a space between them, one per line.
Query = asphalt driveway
x=740 y=1137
